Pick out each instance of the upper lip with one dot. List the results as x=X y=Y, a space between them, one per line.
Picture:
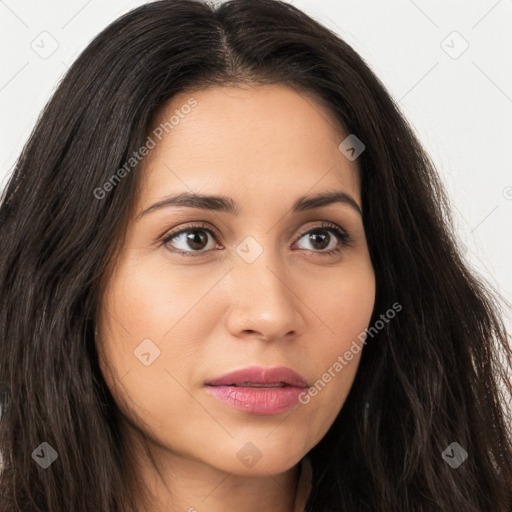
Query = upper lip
x=279 y=376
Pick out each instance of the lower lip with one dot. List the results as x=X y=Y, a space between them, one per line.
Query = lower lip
x=258 y=400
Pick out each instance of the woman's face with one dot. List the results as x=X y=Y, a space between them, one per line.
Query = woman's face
x=248 y=282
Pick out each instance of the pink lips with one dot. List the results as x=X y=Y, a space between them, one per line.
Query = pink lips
x=259 y=390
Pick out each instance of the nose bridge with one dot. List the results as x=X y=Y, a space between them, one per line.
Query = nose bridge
x=265 y=275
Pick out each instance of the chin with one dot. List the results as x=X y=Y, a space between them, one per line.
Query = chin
x=257 y=459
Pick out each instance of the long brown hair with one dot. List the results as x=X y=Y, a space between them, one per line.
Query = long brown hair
x=435 y=375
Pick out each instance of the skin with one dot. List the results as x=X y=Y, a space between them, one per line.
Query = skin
x=264 y=147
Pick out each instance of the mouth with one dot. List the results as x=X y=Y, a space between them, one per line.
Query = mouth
x=257 y=376
x=255 y=385
x=257 y=390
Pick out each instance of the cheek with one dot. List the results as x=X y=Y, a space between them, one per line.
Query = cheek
x=350 y=299
x=153 y=339
x=344 y=305
x=149 y=297
x=152 y=300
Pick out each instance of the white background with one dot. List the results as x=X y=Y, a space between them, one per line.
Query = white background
x=460 y=107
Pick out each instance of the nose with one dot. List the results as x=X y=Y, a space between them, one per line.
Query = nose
x=264 y=304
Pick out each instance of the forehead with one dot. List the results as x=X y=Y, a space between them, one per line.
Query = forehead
x=266 y=140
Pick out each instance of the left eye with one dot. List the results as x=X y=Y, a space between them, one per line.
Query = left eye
x=193 y=238
x=322 y=239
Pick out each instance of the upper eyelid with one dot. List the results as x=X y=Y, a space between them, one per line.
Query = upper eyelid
x=329 y=226
x=170 y=234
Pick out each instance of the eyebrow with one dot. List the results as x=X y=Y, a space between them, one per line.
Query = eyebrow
x=227 y=205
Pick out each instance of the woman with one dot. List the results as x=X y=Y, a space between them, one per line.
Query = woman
x=229 y=282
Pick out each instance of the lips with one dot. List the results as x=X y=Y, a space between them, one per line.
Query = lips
x=256 y=390
x=258 y=377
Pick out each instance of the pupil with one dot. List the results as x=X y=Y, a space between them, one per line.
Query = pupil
x=313 y=238
x=194 y=239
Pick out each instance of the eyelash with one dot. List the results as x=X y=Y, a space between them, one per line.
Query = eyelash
x=340 y=234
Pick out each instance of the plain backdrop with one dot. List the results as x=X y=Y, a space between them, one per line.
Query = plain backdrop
x=448 y=64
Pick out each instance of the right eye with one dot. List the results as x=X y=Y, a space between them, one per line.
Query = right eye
x=190 y=241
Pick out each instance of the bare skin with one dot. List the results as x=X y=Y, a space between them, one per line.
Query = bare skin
x=211 y=313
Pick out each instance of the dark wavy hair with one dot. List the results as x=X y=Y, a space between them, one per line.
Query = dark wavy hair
x=437 y=373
